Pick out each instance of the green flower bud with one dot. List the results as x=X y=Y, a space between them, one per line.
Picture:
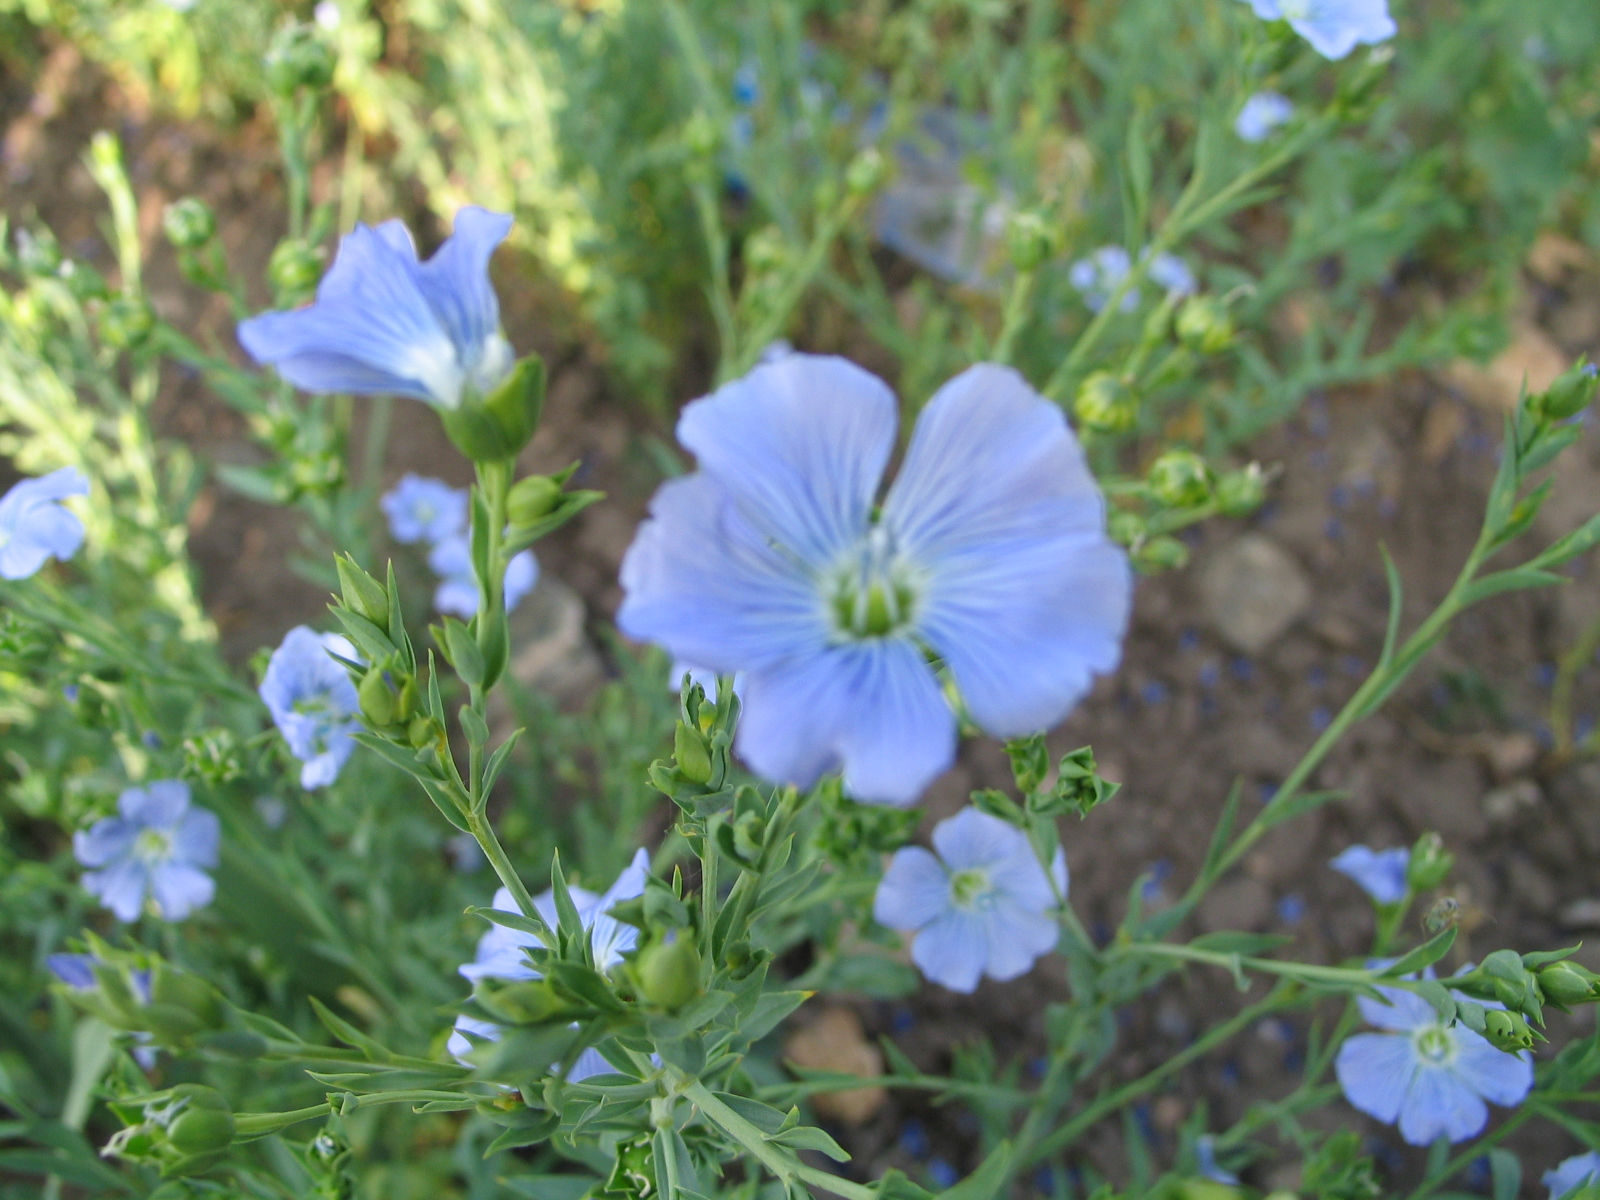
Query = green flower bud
x=205 y=1124
x=1180 y=479
x=532 y=498
x=1106 y=403
x=1430 y=863
x=377 y=699
x=294 y=269
x=1031 y=240
x=1204 y=325
x=501 y=424
x=421 y=732
x=299 y=58
x=1160 y=553
x=765 y=251
x=126 y=322
x=669 y=973
x=407 y=703
x=1565 y=984
x=1507 y=1030
x=1240 y=493
x=1124 y=527
x=692 y=754
x=701 y=136
x=189 y=223
x=361 y=593
x=1569 y=395
x=866 y=172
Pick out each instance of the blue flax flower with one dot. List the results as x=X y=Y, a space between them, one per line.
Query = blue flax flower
x=1263 y=113
x=1570 y=1174
x=1430 y=1077
x=1380 y=873
x=35 y=526
x=1098 y=275
x=425 y=510
x=1333 y=27
x=457 y=592
x=313 y=702
x=980 y=907
x=775 y=559
x=500 y=953
x=383 y=321
x=156 y=848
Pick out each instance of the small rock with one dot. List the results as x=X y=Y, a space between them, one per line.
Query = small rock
x=835 y=1041
x=1506 y=805
x=1253 y=591
x=1511 y=754
x=1243 y=903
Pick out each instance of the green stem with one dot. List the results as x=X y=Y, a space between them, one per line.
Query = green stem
x=1019 y=302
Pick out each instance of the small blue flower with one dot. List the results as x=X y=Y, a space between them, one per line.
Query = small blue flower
x=1380 y=873
x=1098 y=275
x=500 y=953
x=1263 y=113
x=457 y=592
x=1205 y=1161
x=1430 y=1077
x=1172 y=274
x=774 y=559
x=1333 y=27
x=385 y=322
x=313 y=702
x=425 y=510
x=977 y=908
x=1572 y=1173
x=34 y=526
x=158 y=847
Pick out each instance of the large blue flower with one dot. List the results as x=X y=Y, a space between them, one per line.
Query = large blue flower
x=34 y=526
x=157 y=847
x=385 y=322
x=979 y=908
x=500 y=953
x=1333 y=27
x=775 y=559
x=313 y=702
x=1429 y=1077
x=1572 y=1173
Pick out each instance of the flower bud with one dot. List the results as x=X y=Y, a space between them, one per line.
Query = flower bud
x=1124 y=527
x=126 y=322
x=299 y=58
x=1565 y=984
x=498 y=426
x=1180 y=479
x=1507 y=1030
x=1570 y=394
x=866 y=172
x=692 y=754
x=1241 y=492
x=361 y=593
x=180 y=1006
x=189 y=223
x=669 y=972
x=1031 y=240
x=1430 y=863
x=294 y=269
x=421 y=732
x=204 y=1125
x=406 y=704
x=701 y=136
x=1204 y=325
x=1106 y=403
x=1160 y=553
x=532 y=498
x=377 y=699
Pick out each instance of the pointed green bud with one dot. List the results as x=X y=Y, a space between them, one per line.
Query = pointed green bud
x=1160 y=553
x=1031 y=240
x=377 y=699
x=408 y=700
x=362 y=593
x=294 y=269
x=204 y=1123
x=1429 y=864
x=1566 y=984
x=1240 y=493
x=189 y=223
x=421 y=732
x=126 y=322
x=692 y=754
x=1180 y=479
x=1507 y=1030
x=1569 y=395
x=1106 y=403
x=532 y=498
x=669 y=973
x=1204 y=325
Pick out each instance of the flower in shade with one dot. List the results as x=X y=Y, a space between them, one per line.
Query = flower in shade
x=1431 y=1078
x=1333 y=27
x=384 y=321
x=34 y=525
x=1098 y=275
x=313 y=702
x=157 y=847
x=457 y=592
x=1380 y=873
x=500 y=952
x=425 y=510
x=1261 y=114
x=978 y=907
x=1570 y=1174
x=776 y=559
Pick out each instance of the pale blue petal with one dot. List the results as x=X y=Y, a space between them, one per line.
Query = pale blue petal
x=610 y=938
x=799 y=445
x=914 y=890
x=1023 y=882
x=589 y=1064
x=120 y=887
x=873 y=708
x=1336 y=27
x=197 y=838
x=952 y=950
x=1171 y=273
x=1498 y=1077
x=21 y=558
x=522 y=572
x=1572 y=1173
x=74 y=970
x=976 y=839
x=703 y=582
x=1438 y=1103
x=1379 y=873
x=1375 y=1071
x=1261 y=115
x=456 y=283
x=179 y=889
x=1025 y=597
x=107 y=839
x=423 y=509
x=461 y=1045
x=456 y=597
x=160 y=805
x=56 y=485
x=1017 y=937
x=1405 y=1011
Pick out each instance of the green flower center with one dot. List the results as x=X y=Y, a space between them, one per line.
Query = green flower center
x=1434 y=1045
x=873 y=594
x=152 y=846
x=969 y=887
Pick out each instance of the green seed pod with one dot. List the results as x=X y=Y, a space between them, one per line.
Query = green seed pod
x=692 y=754
x=1569 y=395
x=361 y=593
x=294 y=269
x=189 y=223
x=126 y=322
x=1241 y=492
x=377 y=699
x=205 y=1122
x=299 y=58
x=531 y=499
x=1204 y=325
x=669 y=972
x=1161 y=553
x=1180 y=479
x=1031 y=240
x=1565 y=984
x=1507 y=1030
x=1106 y=403
x=420 y=732
x=1430 y=863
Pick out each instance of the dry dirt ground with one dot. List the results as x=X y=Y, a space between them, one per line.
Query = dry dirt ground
x=1232 y=666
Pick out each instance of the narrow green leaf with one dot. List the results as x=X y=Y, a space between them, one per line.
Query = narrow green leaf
x=1425 y=955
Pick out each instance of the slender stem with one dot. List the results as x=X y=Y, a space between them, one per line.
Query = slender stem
x=1019 y=304
x=496 y=854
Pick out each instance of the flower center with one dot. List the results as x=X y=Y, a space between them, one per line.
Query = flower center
x=152 y=846
x=873 y=594
x=1434 y=1045
x=969 y=887
x=1295 y=10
